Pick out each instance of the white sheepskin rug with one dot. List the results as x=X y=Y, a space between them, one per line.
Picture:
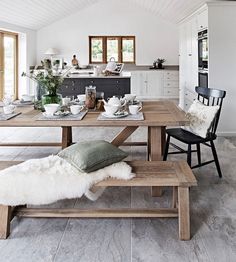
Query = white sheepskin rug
x=47 y=180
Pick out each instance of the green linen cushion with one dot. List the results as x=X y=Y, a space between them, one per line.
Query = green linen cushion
x=93 y=155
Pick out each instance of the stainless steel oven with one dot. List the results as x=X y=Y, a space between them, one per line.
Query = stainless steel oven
x=203 y=58
x=203 y=78
x=203 y=49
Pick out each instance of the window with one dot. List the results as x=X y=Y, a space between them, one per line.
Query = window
x=102 y=48
x=8 y=64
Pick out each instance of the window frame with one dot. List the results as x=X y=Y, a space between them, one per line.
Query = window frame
x=16 y=59
x=104 y=46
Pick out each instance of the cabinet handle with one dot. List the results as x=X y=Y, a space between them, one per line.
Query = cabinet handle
x=73 y=83
x=189 y=54
x=66 y=87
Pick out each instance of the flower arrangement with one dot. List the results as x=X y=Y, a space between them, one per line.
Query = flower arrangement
x=49 y=79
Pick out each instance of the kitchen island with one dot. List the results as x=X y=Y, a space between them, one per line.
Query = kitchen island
x=75 y=84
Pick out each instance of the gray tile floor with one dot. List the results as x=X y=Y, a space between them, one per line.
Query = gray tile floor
x=213 y=212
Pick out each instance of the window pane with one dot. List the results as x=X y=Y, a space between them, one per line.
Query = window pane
x=128 y=50
x=97 y=50
x=9 y=65
x=112 y=49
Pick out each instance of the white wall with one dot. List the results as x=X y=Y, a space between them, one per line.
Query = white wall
x=27 y=52
x=222 y=60
x=154 y=36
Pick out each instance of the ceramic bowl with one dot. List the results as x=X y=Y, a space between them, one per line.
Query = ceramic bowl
x=76 y=109
x=51 y=109
x=111 y=109
x=27 y=98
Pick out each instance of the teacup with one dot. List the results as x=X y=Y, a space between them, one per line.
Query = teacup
x=76 y=109
x=134 y=109
x=9 y=109
x=111 y=109
x=65 y=101
x=51 y=109
x=130 y=97
x=27 y=98
x=81 y=98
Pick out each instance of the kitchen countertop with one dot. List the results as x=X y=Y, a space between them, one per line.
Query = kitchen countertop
x=86 y=75
x=144 y=68
x=128 y=69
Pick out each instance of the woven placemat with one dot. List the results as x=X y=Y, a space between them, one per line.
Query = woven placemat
x=78 y=117
x=4 y=117
x=138 y=117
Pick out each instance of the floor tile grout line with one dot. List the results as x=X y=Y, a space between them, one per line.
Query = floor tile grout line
x=59 y=244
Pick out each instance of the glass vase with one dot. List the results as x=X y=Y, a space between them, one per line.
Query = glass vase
x=90 y=92
x=51 y=99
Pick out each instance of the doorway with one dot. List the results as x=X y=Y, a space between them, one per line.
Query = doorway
x=8 y=64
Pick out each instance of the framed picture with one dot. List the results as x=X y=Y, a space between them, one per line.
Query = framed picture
x=57 y=63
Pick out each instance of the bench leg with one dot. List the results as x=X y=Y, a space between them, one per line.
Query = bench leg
x=184 y=216
x=5 y=218
x=174 y=197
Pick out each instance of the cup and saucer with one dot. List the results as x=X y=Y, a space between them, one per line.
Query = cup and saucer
x=9 y=109
x=50 y=110
x=76 y=109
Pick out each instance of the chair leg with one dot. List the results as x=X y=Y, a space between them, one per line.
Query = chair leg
x=199 y=154
x=166 y=148
x=189 y=157
x=216 y=158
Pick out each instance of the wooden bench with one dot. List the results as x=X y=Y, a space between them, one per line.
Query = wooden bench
x=148 y=173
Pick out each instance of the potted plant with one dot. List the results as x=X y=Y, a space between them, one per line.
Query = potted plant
x=48 y=82
x=159 y=63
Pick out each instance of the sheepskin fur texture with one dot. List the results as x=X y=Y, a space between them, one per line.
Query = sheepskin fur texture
x=47 y=180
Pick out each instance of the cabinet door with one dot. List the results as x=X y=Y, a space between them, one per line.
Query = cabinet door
x=139 y=83
x=154 y=84
x=202 y=20
x=194 y=61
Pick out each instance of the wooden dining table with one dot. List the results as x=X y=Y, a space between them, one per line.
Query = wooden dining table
x=157 y=116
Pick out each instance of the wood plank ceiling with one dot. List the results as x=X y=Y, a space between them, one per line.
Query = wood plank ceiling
x=35 y=14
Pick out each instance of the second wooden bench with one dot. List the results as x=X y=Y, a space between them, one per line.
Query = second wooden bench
x=148 y=173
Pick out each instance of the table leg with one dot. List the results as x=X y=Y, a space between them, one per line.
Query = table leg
x=5 y=217
x=123 y=135
x=66 y=136
x=154 y=151
x=163 y=139
x=184 y=216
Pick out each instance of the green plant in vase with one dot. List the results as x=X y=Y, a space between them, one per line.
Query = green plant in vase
x=48 y=80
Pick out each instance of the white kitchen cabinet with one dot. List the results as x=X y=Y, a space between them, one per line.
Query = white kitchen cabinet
x=202 y=20
x=155 y=84
x=147 y=84
x=188 y=58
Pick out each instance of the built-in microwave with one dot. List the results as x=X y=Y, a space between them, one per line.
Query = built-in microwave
x=203 y=49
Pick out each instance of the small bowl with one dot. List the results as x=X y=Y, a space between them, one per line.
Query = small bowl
x=110 y=109
x=27 y=98
x=51 y=109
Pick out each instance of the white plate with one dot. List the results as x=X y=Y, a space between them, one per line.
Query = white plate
x=114 y=116
x=51 y=116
